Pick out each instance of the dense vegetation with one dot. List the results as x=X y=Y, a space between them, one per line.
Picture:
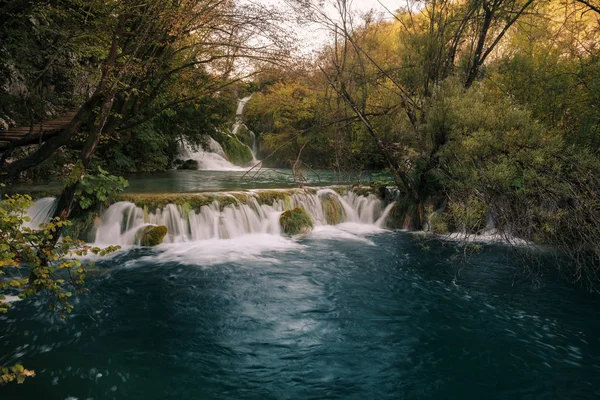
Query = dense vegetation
x=483 y=111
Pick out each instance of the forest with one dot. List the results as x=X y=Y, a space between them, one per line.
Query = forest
x=473 y=114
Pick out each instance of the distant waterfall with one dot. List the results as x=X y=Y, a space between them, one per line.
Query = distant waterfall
x=238 y=124
x=213 y=160
x=213 y=221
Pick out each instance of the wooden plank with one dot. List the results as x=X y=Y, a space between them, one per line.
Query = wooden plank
x=19 y=132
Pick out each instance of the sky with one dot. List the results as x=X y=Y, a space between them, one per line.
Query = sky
x=312 y=36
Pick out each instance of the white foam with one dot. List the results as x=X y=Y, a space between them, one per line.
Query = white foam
x=219 y=251
x=345 y=231
x=213 y=160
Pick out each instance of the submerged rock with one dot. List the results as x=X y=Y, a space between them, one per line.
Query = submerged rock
x=295 y=221
x=189 y=164
x=151 y=235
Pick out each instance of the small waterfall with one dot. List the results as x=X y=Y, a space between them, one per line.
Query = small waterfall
x=255 y=215
x=238 y=124
x=240 y=109
x=213 y=160
x=40 y=212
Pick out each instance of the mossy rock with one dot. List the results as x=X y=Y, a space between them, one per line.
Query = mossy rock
x=189 y=165
x=151 y=202
x=333 y=209
x=151 y=235
x=269 y=197
x=237 y=152
x=396 y=217
x=244 y=135
x=295 y=221
x=364 y=191
x=341 y=190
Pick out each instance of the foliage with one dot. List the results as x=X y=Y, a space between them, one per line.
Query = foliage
x=99 y=187
x=32 y=263
x=286 y=116
x=14 y=373
x=295 y=221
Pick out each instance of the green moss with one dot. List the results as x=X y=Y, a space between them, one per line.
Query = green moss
x=333 y=209
x=363 y=190
x=241 y=197
x=341 y=190
x=151 y=235
x=295 y=221
x=237 y=152
x=397 y=215
x=244 y=136
x=269 y=197
x=187 y=202
x=155 y=201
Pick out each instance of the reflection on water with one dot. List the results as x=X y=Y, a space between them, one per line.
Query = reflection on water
x=213 y=181
x=340 y=313
x=209 y=181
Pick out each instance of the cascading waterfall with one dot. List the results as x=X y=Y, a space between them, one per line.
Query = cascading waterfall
x=123 y=220
x=213 y=160
x=239 y=123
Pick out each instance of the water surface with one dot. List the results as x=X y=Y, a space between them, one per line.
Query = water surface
x=212 y=181
x=347 y=312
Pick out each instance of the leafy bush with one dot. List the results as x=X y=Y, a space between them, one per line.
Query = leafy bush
x=98 y=188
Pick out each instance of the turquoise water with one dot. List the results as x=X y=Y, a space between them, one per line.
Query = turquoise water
x=343 y=313
x=212 y=181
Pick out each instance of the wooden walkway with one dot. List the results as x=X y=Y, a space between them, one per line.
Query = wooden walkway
x=19 y=132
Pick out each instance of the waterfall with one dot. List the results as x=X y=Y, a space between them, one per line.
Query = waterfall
x=213 y=160
x=256 y=213
x=41 y=211
x=240 y=108
x=238 y=124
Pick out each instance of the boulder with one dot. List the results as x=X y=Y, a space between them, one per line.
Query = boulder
x=189 y=165
x=151 y=235
x=295 y=221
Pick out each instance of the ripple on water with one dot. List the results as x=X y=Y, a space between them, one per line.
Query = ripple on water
x=325 y=315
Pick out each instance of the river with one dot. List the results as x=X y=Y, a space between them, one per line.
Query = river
x=349 y=311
